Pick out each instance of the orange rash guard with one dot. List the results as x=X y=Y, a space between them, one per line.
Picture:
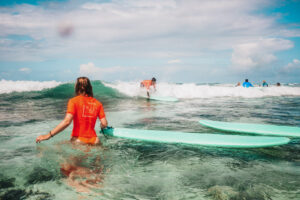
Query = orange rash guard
x=85 y=111
x=147 y=83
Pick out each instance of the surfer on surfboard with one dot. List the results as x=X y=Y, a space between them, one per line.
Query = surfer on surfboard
x=147 y=83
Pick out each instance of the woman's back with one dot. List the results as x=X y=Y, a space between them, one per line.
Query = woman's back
x=85 y=111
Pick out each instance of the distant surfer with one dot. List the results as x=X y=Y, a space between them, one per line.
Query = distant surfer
x=278 y=84
x=147 y=83
x=247 y=84
x=83 y=110
x=265 y=84
x=238 y=84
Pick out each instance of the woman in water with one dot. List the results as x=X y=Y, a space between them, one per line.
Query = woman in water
x=83 y=110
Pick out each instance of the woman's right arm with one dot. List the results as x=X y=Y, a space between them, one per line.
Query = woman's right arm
x=103 y=122
x=102 y=117
x=60 y=127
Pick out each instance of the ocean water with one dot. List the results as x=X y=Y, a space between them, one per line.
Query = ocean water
x=128 y=169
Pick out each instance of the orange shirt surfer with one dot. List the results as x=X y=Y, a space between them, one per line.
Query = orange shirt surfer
x=147 y=83
x=83 y=110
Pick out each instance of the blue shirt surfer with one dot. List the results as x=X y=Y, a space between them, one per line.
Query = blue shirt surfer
x=265 y=84
x=247 y=84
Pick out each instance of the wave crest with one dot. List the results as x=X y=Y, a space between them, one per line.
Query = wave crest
x=191 y=90
x=7 y=86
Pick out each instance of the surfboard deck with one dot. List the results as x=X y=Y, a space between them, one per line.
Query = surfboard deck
x=160 y=98
x=258 y=129
x=216 y=140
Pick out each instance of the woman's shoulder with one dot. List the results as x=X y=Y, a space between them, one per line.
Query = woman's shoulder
x=80 y=98
x=76 y=98
x=93 y=99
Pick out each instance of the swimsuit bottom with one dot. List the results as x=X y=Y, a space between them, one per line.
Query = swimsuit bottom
x=92 y=140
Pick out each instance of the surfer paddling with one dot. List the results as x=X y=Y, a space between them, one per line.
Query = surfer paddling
x=147 y=83
x=83 y=110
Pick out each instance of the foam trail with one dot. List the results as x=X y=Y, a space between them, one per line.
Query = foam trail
x=191 y=90
x=25 y=86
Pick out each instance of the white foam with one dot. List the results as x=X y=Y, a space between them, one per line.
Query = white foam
x=25 y=86
x=190 y=90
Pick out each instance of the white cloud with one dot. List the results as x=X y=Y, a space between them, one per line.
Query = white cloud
x=292 y=67
x=136 y=28
x=88 y=69
x=25 y=69
x=91 y=70
x=258 y=54
x=174 y=61
x=132 y=73
x=201 y=32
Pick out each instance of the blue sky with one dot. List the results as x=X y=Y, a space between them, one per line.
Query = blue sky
x=129 y=40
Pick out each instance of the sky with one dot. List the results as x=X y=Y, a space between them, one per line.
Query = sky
x=199 y=41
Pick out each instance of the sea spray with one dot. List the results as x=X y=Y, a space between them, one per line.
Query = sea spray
x=192 y=90
x=7 y=86
x=131 y=89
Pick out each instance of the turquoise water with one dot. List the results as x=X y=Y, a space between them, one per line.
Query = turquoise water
x=127 y=169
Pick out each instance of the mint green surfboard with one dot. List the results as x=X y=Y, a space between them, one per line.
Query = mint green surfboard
x=259 y=129
x=216 y=140
x=159 y=98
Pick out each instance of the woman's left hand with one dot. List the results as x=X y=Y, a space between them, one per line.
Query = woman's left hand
x=42 y=137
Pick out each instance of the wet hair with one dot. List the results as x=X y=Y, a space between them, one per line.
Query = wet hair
x=154 y=79
x=246 y=80
x=83 y=87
